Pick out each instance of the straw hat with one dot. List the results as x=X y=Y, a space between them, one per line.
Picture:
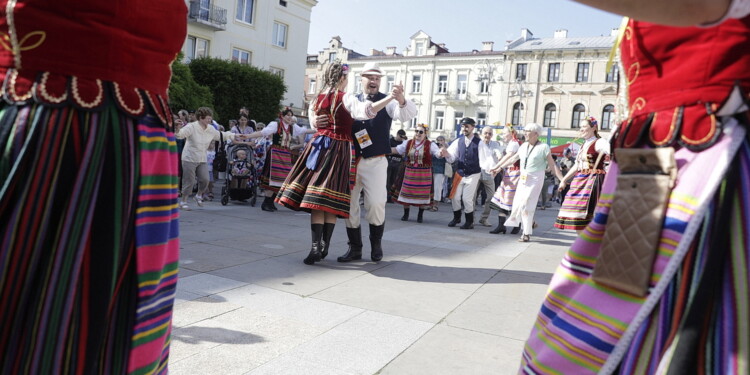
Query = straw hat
x=372 y=68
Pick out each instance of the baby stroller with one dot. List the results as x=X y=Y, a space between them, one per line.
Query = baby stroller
x=242 y=184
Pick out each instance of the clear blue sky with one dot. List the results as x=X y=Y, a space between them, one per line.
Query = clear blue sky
x=461 y=24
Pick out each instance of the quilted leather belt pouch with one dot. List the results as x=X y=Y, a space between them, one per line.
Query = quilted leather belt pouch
x=635 y=220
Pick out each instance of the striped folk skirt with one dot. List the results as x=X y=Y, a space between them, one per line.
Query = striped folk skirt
x=88 y=241
x=695 y=318
x=506 y=192
x=578 y=207
x=328 y=186
x=276 y=168
x=413 y=187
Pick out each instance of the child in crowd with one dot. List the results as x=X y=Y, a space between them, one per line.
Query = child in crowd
x=240 y=168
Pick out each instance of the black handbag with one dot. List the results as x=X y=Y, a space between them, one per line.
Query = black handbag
x=220 y=160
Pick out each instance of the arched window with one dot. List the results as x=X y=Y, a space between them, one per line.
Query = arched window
x=517 y=117
x=550 y=116
x=578 y=115
x=607 y=115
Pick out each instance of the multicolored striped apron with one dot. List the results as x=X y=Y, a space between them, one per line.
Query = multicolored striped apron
x=89 y=241
x=506 y=192
x=578 y=207
x=694 y=319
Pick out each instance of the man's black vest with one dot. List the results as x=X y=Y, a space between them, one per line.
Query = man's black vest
x=379 y=129
x=468 y=156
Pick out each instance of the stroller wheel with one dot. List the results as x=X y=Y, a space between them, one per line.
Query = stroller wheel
x=224 y=200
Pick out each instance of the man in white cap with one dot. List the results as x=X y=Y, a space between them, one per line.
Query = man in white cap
x=372 y=143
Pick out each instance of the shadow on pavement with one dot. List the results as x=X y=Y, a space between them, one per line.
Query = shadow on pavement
x=196 y=335
x=407 y=271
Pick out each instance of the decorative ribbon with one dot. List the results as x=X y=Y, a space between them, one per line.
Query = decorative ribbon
x=318 y=144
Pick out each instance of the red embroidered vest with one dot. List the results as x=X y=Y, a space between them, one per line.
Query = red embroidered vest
x=340 y=120
x=418 y=158
x=678 y=77
x=86 y=52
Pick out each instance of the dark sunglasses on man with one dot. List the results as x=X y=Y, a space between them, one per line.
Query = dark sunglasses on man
x=419 y=131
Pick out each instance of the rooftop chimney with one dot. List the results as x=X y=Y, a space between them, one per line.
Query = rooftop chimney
x=526 y=34
x=614 y=32
x=390 y=51
x=487 y=46
x=562 y=33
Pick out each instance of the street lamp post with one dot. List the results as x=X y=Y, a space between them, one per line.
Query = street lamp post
x=486 y=70
x=521 y=92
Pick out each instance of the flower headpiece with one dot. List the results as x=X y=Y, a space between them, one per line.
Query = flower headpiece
x=344 y=69
x=592 y=121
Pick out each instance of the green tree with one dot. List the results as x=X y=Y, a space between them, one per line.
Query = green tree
x=184 y=91
x=236 y=85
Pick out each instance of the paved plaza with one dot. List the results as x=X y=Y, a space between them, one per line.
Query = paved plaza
x=442 y=301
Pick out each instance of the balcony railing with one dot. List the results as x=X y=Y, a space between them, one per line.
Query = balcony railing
x=458 y=98
x=212 y=16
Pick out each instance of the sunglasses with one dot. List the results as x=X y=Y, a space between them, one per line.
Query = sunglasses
x=419 y=131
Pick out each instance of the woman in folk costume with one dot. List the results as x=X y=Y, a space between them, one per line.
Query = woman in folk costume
x=503 y=198
x=321 y=180
x=278 y=161
x=413 y=187
x=578 y=206
x=658 y=280
x=535 y=157
x=88 y=185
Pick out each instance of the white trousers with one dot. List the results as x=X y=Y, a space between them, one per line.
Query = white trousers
x=466 y=191
x=524 y=203
x=371 y=176
x=438 y=179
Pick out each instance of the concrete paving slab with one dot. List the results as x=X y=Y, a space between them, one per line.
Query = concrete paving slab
x=289 y=365
x=464 y=278
x=362 y=345
x=469 y=353
x=289 y=274
x=200 y=309
x=204 y=257
x=183 y=296
x=316 y=313
x=207 y=284
x=184 y=272
x=271 y=245
x=537 y=259
x=499 y=316
x=259 y=298
x=527 y=285
x=242 y=339
x=443 y=300
x=423 y=301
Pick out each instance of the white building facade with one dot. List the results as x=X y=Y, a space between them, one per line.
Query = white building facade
x=552 y=81
x=268 y=34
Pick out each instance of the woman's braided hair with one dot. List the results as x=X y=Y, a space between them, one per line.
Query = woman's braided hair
x=333 y=75
x=335 y=72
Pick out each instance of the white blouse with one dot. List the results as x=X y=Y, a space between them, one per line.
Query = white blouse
x=601 y=146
